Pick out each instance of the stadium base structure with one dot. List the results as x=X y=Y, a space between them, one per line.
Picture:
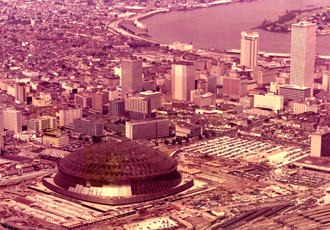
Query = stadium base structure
x=114 y=201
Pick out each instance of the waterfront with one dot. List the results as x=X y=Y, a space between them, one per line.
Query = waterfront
x=220 y=26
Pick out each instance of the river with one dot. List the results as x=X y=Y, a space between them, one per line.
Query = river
x=220 y=26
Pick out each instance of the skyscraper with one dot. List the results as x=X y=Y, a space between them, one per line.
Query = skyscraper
x=131 y=76
x=183 y=80
x=20 y=93
x=302 y=54
x=320 y=143
x=249 y=49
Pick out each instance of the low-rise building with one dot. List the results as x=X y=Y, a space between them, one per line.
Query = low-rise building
x=41 y=123
x=294 y=92
x=269 y=101
x=308 y=106
x=188 y=130
x=203 y=100
x=89 y=127
x=67 y=116
x=83 y=100
x=147 y=129
x=247 y=102
x=55 y=139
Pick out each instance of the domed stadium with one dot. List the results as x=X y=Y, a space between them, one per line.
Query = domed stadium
x=117 y=173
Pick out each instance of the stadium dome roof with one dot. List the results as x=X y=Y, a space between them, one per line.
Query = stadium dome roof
x=121 y=160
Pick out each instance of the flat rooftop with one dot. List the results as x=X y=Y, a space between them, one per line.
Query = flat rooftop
x=295 y=87
x=319 y=162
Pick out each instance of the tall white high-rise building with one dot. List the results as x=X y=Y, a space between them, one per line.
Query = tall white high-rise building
x=131 y=76
x=13 y=120
x=183 y=80
x=303 y=40
x=249 y=49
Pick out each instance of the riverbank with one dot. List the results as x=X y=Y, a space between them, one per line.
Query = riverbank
x=319 y=15
x=115 y=25
x=137 y=18
x=181 y=8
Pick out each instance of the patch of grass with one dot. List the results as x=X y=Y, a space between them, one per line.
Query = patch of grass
x=114 y=127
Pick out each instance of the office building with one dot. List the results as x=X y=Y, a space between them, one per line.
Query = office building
x=303 y=38
x=210 y=83
x=294 y=92
x=67 y=116
x=264 y=75
x=184 y=129
x=203 y=100
x=326 y=81
x=249 y=49
x=247 y=102
x=20 y=93
x=13 y=120
x=114 y=93
x=111 y=80
x=183 y=80
x=217 y=71
x=89 y=127
x=234 y=86
x=200 y=64
x=117 y=107
x=48 y=122
x=99 y=99
x=131 y=76
x=280 y=81
x=320 y=143
x=55 y=139
x=41 y=123
x=147 y=129
x=149 y=85
x=33 y=125
x=83 y=100
x=138 y=108
x=155 y=98
x=309 y=106
x=269 y=101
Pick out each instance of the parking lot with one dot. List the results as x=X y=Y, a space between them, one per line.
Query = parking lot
x=249 y=149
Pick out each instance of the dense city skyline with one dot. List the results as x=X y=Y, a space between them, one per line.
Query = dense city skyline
x=102 y=126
